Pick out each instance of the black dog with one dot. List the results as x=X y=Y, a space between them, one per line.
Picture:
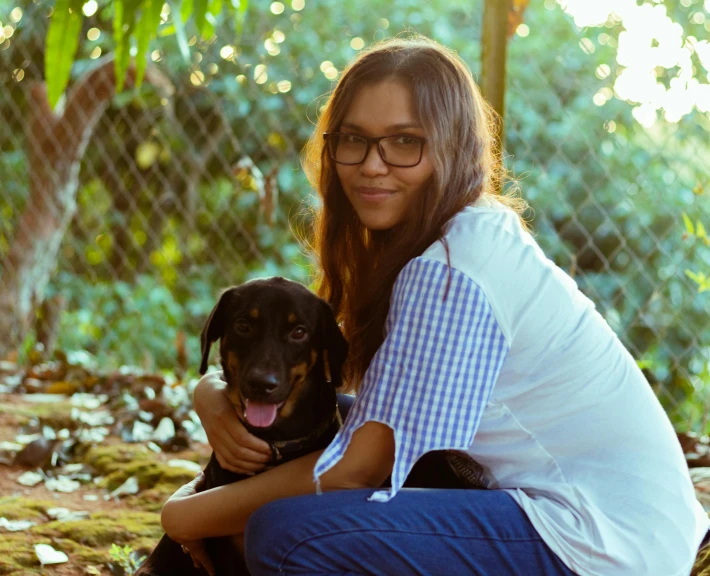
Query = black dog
x=282 y=354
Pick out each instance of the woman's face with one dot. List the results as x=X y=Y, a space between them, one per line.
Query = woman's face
x=380 y=193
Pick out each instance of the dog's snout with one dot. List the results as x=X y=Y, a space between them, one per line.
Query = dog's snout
x=262 y=383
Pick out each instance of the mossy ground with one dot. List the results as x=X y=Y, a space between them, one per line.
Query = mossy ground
x=54 y=414
x=86 y=542
x=132 y=520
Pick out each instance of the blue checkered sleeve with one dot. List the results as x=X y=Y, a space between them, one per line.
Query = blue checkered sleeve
x=432 y=377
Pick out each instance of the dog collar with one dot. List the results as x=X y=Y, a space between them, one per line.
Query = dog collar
x=279 y=449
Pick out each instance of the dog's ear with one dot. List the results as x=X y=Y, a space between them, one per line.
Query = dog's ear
x=335 y=347
x=214 y=327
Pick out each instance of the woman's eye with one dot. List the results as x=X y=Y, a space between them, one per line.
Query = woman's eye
x=242 y=328
x=299 y=333
x=406 y=141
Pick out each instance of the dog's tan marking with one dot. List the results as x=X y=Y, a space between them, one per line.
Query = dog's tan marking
x=314 y=357
x=235 y=399
x=254 y=312
x=293 y=397
x=298 y=372
x=232 y=364
x=292 y=318
x=298 y=378
x=232 y=376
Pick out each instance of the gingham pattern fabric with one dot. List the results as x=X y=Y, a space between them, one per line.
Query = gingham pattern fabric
x=432 y=377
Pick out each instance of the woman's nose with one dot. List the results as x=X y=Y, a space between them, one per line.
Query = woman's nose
x=373 y=165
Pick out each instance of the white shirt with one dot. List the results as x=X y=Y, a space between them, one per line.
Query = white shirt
x=513 y=364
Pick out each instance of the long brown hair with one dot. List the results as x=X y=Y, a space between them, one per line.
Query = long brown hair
x=357 y=266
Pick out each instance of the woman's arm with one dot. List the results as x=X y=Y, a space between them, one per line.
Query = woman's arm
x=224 y=511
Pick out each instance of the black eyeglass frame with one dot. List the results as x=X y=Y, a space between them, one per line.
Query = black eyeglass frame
x=371 y=141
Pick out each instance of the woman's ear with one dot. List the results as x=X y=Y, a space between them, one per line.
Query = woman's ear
x=335 y=347
x=214 y=327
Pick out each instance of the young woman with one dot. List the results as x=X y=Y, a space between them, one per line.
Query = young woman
x=463 y=336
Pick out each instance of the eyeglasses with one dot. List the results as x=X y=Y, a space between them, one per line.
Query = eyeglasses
x=397 y=151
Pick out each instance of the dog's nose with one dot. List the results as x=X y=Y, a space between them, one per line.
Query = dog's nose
x=263 y=383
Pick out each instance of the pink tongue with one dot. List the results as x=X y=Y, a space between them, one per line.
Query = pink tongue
x=260 y=414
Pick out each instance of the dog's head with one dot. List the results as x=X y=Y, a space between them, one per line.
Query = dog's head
x=278 y=341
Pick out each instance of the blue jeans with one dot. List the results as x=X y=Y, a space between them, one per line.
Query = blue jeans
x=427 y=532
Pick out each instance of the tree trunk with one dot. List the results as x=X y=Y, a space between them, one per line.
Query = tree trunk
x=493 y=60
x=55 y=145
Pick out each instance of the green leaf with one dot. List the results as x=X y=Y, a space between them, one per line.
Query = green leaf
x=688 y=224
x=199 y=11
x=698 y=278
x=178 y=21
x=62 y=43
x=237 y=9
x=700 y=230
x=124 y=19
x=208 y=28
x=145 y=32
x=166 y=31
x=185 y=9
x=215 y=7
x=243 y=7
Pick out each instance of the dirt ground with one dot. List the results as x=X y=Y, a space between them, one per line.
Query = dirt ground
x=131 y=520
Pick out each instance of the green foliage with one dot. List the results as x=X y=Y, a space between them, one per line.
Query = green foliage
x=699 y=235
x=139 y=321
x=612 y=199
x=609 y=196
x=134 y=21
x=62 y=43
x=125 y=558
x=146 y=30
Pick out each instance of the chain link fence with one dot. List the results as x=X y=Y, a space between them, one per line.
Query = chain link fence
x=194 y=183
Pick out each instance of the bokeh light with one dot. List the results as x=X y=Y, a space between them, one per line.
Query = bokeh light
x=260 y=74
x=650 y=40
x=357 y=43
x=90 y=8
x=271 y=47
x=602 y=71
x=228 y=52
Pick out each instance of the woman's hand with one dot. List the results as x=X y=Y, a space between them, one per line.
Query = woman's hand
x=195 y=548
x=236 y=449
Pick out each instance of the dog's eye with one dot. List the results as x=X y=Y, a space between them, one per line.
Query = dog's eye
x=242 y=328
x=299 y=333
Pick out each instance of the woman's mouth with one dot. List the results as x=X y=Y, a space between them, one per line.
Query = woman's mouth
x=369 y=194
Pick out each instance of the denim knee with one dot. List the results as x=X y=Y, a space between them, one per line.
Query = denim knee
x=266 y=537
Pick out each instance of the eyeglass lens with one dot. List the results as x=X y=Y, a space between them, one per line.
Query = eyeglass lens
x=396 y=150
